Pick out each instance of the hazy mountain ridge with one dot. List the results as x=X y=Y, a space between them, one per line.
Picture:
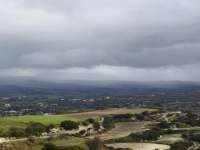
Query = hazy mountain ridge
x=94 y=87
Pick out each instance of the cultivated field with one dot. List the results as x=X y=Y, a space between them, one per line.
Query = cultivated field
x=111 y=111
x=139 y=146
x=124 y=129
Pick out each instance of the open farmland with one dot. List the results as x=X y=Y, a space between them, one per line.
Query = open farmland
x=21 y=121
x=110 y=111
x=139 y=146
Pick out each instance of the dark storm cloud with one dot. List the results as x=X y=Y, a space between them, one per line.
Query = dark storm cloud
x=64 y=36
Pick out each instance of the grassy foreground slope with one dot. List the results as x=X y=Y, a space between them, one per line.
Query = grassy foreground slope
x=38 y=144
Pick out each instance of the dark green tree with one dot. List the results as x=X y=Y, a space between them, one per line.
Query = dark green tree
x=69 y=125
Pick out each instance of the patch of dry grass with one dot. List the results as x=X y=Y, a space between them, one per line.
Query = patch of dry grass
x=123 y=129
x=140 y=146
x=111 y=111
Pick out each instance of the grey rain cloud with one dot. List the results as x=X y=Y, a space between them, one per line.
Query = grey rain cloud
x=100 y=40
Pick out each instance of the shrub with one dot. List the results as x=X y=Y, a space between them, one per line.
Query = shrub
x=180 y=146
x=95 y=144
x=192 y=137
x=49 y=146
x=123 y=117
x=16 y=132
x=91 y=120
x=49 y=127
x=85 y=123
x=70 y=148
x=82 y=132
x=108 y=123
x=140 y=117
x=35 y=129
x=164 y=125
x=69 y=125
x=96 y=125
x=148 y=135
x=118 y=148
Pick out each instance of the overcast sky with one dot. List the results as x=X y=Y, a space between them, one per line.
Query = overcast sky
x=136 y=40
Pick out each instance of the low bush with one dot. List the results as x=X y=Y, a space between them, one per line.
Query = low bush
x=16 y=132
x=36 y=129
x=181 y=146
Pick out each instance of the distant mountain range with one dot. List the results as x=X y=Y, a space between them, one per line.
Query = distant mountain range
x=91 y=88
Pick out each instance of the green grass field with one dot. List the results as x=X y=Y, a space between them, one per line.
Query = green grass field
x=21 y=121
